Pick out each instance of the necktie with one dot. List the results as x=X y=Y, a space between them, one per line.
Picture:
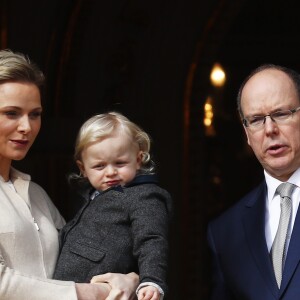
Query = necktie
x=278 y=251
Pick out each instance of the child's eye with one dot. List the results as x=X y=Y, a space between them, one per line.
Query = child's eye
x=121 y=163
x=100 y=167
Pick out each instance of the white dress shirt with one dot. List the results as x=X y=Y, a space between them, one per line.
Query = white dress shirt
x=29 y=242
x=273 y=206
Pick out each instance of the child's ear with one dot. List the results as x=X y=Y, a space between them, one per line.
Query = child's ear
x=80 y=165
x=140 y=158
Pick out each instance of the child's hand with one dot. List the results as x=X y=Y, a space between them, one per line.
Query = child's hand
x=148 y=293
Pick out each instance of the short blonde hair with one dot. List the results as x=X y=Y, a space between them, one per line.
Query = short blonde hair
x=102 y=126
x=15 y=66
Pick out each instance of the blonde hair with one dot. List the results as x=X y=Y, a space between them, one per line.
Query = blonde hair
x=101 y=126
x=15 y=66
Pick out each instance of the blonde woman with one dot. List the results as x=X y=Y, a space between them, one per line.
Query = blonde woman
x=29 y=222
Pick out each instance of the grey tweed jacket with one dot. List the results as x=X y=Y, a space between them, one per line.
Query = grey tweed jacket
x=122 y=230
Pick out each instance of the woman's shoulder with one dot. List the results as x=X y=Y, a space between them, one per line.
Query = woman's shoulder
x=37 y=196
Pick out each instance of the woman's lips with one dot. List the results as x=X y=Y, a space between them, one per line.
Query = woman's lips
x=20 y=143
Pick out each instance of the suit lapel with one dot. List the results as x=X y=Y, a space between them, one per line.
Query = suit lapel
x=254 y=225
x=293 y=255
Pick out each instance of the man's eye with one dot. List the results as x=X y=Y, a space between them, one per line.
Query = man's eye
x=281 y=114
x=256 y=120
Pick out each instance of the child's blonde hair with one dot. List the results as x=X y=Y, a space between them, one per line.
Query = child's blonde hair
x=102 y=126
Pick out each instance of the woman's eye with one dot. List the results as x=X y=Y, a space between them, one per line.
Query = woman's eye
x=11 y=114
x=35 y=115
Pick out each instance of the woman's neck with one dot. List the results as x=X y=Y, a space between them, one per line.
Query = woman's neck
x=5 y=165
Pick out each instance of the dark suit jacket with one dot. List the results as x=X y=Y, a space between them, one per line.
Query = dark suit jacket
x=124 y=229
x=242 y=266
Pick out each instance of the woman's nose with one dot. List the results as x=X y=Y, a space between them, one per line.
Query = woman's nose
x=24 y=124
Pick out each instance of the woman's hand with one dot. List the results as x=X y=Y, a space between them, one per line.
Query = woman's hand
x=123 y=285
x=88 y=291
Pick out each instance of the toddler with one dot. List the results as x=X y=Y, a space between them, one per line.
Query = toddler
x=123 y=224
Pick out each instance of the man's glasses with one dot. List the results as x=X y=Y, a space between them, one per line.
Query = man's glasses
x=257 y=122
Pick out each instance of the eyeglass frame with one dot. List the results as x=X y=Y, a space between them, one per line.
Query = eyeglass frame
x=271 y=115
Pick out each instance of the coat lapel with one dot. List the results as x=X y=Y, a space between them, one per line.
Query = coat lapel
x=293 y=255
x=254 y=225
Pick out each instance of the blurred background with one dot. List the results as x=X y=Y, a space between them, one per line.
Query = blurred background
x=153 y=61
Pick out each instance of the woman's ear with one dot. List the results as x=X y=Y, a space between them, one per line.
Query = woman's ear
x=80 y=165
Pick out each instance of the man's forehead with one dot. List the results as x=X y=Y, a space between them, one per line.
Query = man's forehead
x=268 y=80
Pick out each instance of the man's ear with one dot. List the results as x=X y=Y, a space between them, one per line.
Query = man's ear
x=80 y=165
x=247 y=134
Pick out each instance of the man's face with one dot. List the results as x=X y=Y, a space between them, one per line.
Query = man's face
x=276 y=146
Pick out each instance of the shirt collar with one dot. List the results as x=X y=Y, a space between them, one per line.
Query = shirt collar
x=16 y=174
x=273 y=183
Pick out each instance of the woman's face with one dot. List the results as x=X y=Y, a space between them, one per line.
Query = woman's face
x=20 y=119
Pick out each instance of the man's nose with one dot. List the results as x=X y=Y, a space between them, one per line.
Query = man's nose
x=270 y=125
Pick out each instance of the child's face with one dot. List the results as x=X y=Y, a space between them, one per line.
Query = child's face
x=110 y=162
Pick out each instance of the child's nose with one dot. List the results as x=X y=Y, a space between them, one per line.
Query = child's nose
x=111 y=170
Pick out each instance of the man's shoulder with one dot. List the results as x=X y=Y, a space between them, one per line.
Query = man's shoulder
x=234 y=212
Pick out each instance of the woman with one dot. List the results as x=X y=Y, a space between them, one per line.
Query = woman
x=28 y=219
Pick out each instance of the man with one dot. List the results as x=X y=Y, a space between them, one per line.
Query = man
x=242 y=240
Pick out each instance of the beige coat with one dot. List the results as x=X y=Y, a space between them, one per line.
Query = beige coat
x=29 y=243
